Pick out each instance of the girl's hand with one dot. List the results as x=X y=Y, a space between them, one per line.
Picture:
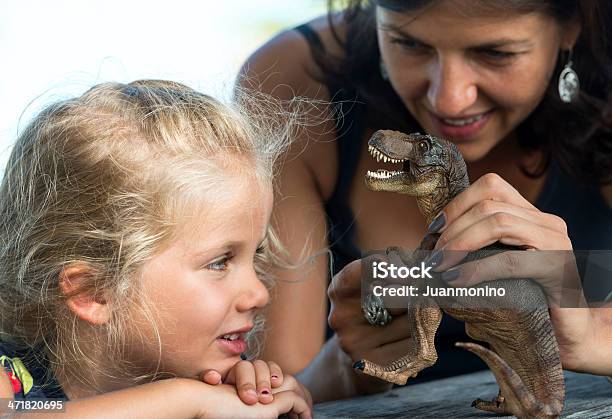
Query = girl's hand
x=222 y=401
x=490 y=211
x=257 y=381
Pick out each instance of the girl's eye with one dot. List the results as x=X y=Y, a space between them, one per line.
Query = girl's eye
x=219 y=264
x=260 y=250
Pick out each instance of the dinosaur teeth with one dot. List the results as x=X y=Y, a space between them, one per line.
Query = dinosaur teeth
x=380 y=156
x=383 y=174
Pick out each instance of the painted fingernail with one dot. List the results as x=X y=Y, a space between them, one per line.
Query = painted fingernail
x=451 y=275
x=359 y=365
x=435 y=259
x=437 y=223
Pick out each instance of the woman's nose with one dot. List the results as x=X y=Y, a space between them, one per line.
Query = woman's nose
x=254 y=293
x=452 y=87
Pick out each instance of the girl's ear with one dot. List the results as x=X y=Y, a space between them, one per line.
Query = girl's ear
x=87 y=306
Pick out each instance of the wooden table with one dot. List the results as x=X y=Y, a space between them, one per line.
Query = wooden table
x=586 y=396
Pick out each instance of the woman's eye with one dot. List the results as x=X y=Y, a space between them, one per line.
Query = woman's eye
x=409 y=44
x=498 y=55
x=219 y=264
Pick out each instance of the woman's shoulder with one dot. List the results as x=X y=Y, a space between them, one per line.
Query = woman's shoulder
x=285 y=67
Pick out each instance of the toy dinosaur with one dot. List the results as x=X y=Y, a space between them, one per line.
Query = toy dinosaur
x=524 y=355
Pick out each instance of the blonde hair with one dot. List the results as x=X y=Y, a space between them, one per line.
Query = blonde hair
x=96 y=180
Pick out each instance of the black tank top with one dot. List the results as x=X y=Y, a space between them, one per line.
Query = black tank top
x=587 y=215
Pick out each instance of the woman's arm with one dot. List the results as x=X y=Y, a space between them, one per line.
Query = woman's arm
x=593 y=354
x=296 y=318
x=284 y=68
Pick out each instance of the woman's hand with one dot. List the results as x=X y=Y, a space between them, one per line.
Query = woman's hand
x=490 y=211
x=356 y=337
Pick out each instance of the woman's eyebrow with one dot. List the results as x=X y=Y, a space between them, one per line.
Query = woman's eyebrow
x=497 y=43
x=504 y=42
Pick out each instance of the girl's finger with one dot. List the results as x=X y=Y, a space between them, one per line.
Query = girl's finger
x=488 y=208
x=490 y=186
x=276 y=374
x=244 y=376
x=290 y=402
x=262 y=379
x=211 y=377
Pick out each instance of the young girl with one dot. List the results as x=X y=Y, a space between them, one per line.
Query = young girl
x=134 y=223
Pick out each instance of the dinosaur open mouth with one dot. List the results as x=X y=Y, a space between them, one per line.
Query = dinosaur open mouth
x=386 y=174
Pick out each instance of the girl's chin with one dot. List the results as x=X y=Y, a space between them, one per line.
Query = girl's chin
x=224 y=365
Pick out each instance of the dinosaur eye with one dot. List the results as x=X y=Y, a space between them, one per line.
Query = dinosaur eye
x=423 y=146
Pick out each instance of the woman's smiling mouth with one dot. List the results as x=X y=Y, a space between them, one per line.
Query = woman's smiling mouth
x=461 y=128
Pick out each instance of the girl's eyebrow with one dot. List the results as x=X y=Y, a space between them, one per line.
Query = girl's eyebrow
x=497 y=43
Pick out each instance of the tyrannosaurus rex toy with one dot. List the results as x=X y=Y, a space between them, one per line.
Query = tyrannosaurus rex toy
x=524 y=355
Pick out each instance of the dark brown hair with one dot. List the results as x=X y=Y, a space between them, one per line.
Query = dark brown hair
x=578 y=136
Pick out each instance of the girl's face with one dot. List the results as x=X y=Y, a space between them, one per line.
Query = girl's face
x=203 y=286
x=466 y=76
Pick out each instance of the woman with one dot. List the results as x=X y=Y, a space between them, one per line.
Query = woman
x=483 y=74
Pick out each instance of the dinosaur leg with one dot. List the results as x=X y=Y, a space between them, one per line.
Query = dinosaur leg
x=424 y=319
x=497 y=405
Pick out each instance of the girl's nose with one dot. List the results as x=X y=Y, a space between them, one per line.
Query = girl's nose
x=254 y=293
x=452 y=87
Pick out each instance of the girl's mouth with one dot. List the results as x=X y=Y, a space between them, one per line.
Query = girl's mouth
x=232 y=343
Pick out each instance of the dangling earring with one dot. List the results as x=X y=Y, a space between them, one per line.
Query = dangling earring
x=569 y=85
x=383 y=70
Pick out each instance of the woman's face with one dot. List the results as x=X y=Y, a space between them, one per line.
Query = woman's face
x=466 y=76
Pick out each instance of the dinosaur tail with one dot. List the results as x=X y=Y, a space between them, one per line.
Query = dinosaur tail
x=519 y=399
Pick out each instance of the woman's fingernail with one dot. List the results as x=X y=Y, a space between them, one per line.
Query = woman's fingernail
x=451 y=275
x=437 y=223
x=251 y=392
x=435 y=259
